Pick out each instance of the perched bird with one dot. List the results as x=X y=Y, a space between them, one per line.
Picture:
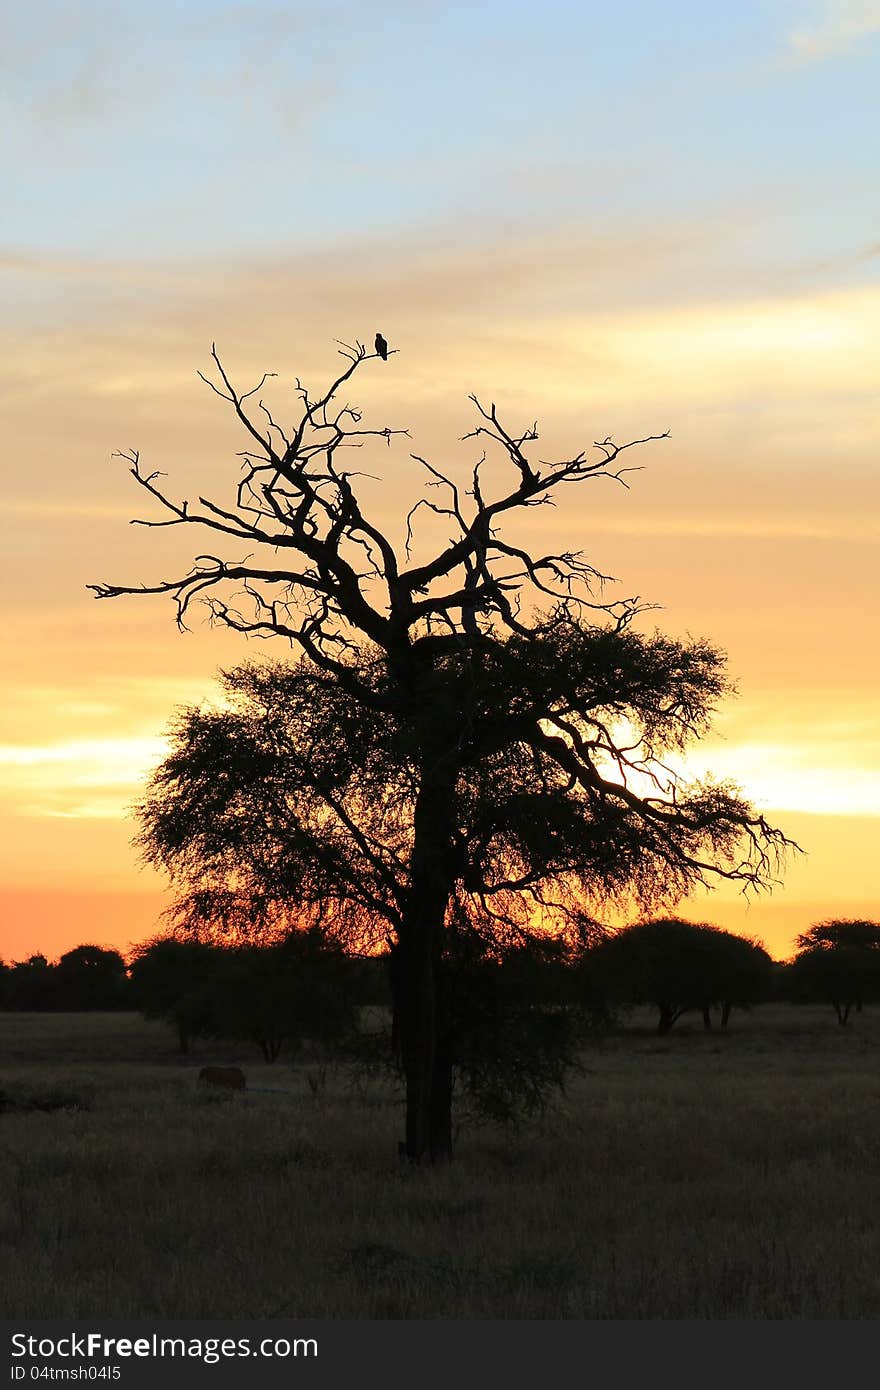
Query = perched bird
x=381 y=347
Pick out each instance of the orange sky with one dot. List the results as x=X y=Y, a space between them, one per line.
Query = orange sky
x=755 y=523
x=711 y=271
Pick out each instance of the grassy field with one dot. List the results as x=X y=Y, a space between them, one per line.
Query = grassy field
x=697 y=1176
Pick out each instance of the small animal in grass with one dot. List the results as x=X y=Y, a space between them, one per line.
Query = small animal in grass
x=381 y=347
x=230 y=1078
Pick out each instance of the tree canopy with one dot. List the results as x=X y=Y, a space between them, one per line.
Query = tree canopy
x=87 y=977
x=294 y=804
x=679 y=966
x=838 y=961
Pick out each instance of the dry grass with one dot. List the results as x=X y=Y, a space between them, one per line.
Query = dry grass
x=699 y=1176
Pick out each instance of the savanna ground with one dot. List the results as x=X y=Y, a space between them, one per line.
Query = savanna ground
x=696 y=1176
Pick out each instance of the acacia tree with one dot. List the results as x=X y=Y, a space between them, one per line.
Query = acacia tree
x=678 y=966
x=92 y=977
x=174 y=980
x=838 y=961
x=503 y=679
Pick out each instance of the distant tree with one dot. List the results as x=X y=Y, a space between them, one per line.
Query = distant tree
x=746 y=975
x=474 y=729
x=279 y=996
x=679 y=966
x=91 y=977
x=32 y=985
x=834 y=933
x=838 y=962
x=781 y=988
x=174 y=980
x=4 y=984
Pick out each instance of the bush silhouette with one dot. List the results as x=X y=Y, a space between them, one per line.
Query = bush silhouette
x=838 y=963
x=679 y=966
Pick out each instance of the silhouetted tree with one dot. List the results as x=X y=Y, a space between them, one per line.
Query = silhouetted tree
x=175 y=980
x=278 y=996
x=780 y=981
x=838 y=962
x=680 y=966
x=33 y=985
x=834 y=933
x=91 y=977
x=746 y=974
x=443 y=741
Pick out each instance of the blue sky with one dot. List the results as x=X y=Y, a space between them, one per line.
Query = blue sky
x=184 y=130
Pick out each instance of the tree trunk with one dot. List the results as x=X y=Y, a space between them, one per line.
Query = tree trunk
x=420 y=1028
x=707 y=1017
x=440 y=1128
x=417 y=1038
x=725 y=1014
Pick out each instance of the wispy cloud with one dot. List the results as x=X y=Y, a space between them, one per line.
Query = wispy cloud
x=83 y=779
x=809 y=769
x=44 y=510
x=840 y=27
x=744 y=527
x=566 y=317
x=787 y=777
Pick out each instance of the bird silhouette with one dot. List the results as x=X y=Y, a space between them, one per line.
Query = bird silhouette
x=381 y=347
